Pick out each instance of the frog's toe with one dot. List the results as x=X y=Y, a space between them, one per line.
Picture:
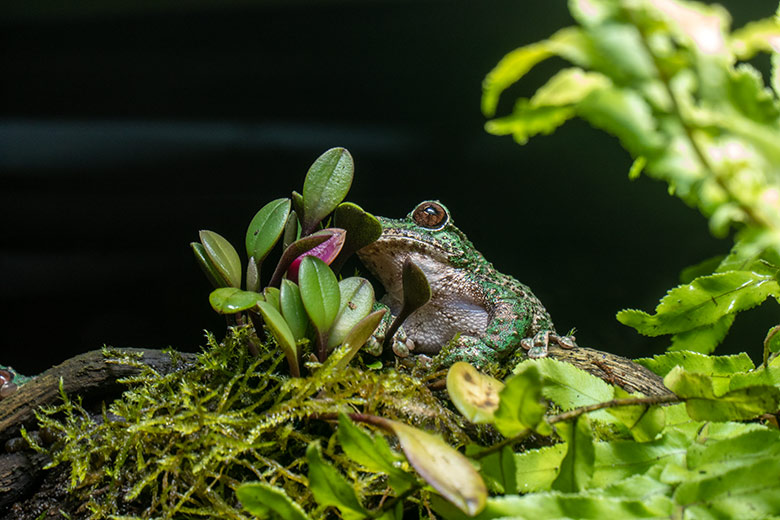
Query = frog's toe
x=538 y=345
x=567 y=342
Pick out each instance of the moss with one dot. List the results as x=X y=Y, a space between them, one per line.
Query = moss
x=177 y=445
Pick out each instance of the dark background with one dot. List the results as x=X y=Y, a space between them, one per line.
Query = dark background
x=128 y=126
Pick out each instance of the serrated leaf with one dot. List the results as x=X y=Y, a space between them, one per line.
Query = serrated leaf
x=362 y=229
x=509 y=70
x=223 y=257
x=702 y=302
x=527 y=121
x=754 y=37
x=617 y=460
x=283 y=335
x=521 y=404
x=749 y=491
x=329 y=487
x=702 y=403
x=718 y=456
x=229 y=300
x=499 y=470
x=357 y=299
x=569 y=87
x=537 y=469
x=260 y=499
x=474 y=394
x=625 y=114
x=265 y=228
x=569 y=387
x=372 y=452
x=446 y=470
x=292 y=309
x=644 y=422
x=702 y=339
x=326 y=185
x=700 y=363
x=577 y=465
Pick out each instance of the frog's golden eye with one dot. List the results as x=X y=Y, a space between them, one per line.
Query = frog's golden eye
x=430 y=215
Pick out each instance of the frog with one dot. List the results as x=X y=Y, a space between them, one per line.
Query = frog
x=475 y=314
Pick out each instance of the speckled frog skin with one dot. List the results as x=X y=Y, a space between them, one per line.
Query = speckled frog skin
x=493 y=313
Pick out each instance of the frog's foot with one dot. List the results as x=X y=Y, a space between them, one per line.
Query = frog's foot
x=537 y=346
x=402 y=345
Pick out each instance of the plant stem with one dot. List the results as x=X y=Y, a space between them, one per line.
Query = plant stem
x=627 y=401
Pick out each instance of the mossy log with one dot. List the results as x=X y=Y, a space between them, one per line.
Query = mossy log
x=91 y=376
x=94 y=378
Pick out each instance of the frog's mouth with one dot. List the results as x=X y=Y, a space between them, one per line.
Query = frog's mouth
x=402 y=243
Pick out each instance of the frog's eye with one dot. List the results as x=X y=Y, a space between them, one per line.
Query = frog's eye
x=430 y=215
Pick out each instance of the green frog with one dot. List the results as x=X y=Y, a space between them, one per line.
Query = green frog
x=475 y=313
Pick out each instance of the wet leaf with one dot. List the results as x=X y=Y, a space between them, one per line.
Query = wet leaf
x=260 y=499
x=357 y=299
x=265 y=228
x=362 y=229
x=283 y=335
x=292 y=309
x=445 y=469
x=327 y=251
x=214 y=277
x=474 y=394
x=329 y=487
x=223 y=257
x=229 y=300
x=326 y=185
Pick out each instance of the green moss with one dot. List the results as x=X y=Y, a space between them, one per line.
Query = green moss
x=178 y=445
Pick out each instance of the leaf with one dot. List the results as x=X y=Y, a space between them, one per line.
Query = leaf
x=625 y=114
x=223 y=257
x=417 y=290
x=500 y=471
x=326 y=185
x=252 y=276
x=260 y=499
x=735 y=405
x=527 y=121
x=362 y=229
x=320 y=292
x=719 y=456
x=537 y=469
x=702 y=339
x=569 y=87
x=700 y=363
x=292 y=230
x=577 y=466
x=329 y=487
x=272 y=296
x=644 y=422
x=292 y=309
x=229 y=300
x=357 y=299
x=702 y=302
x=356 y=338
x=754 y=37
x=474 y=394
x=214 y=277
x=265 y=228
x=327 y=251
x=521 y=404
x=509 y=70
x=569 y=387
x=446 y=470
x=293 y=251
x=372 y=452
x=283 y=335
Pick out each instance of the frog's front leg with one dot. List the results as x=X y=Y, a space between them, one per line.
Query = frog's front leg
x=401 y=345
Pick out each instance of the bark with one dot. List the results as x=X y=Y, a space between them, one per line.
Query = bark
x=87 y=375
